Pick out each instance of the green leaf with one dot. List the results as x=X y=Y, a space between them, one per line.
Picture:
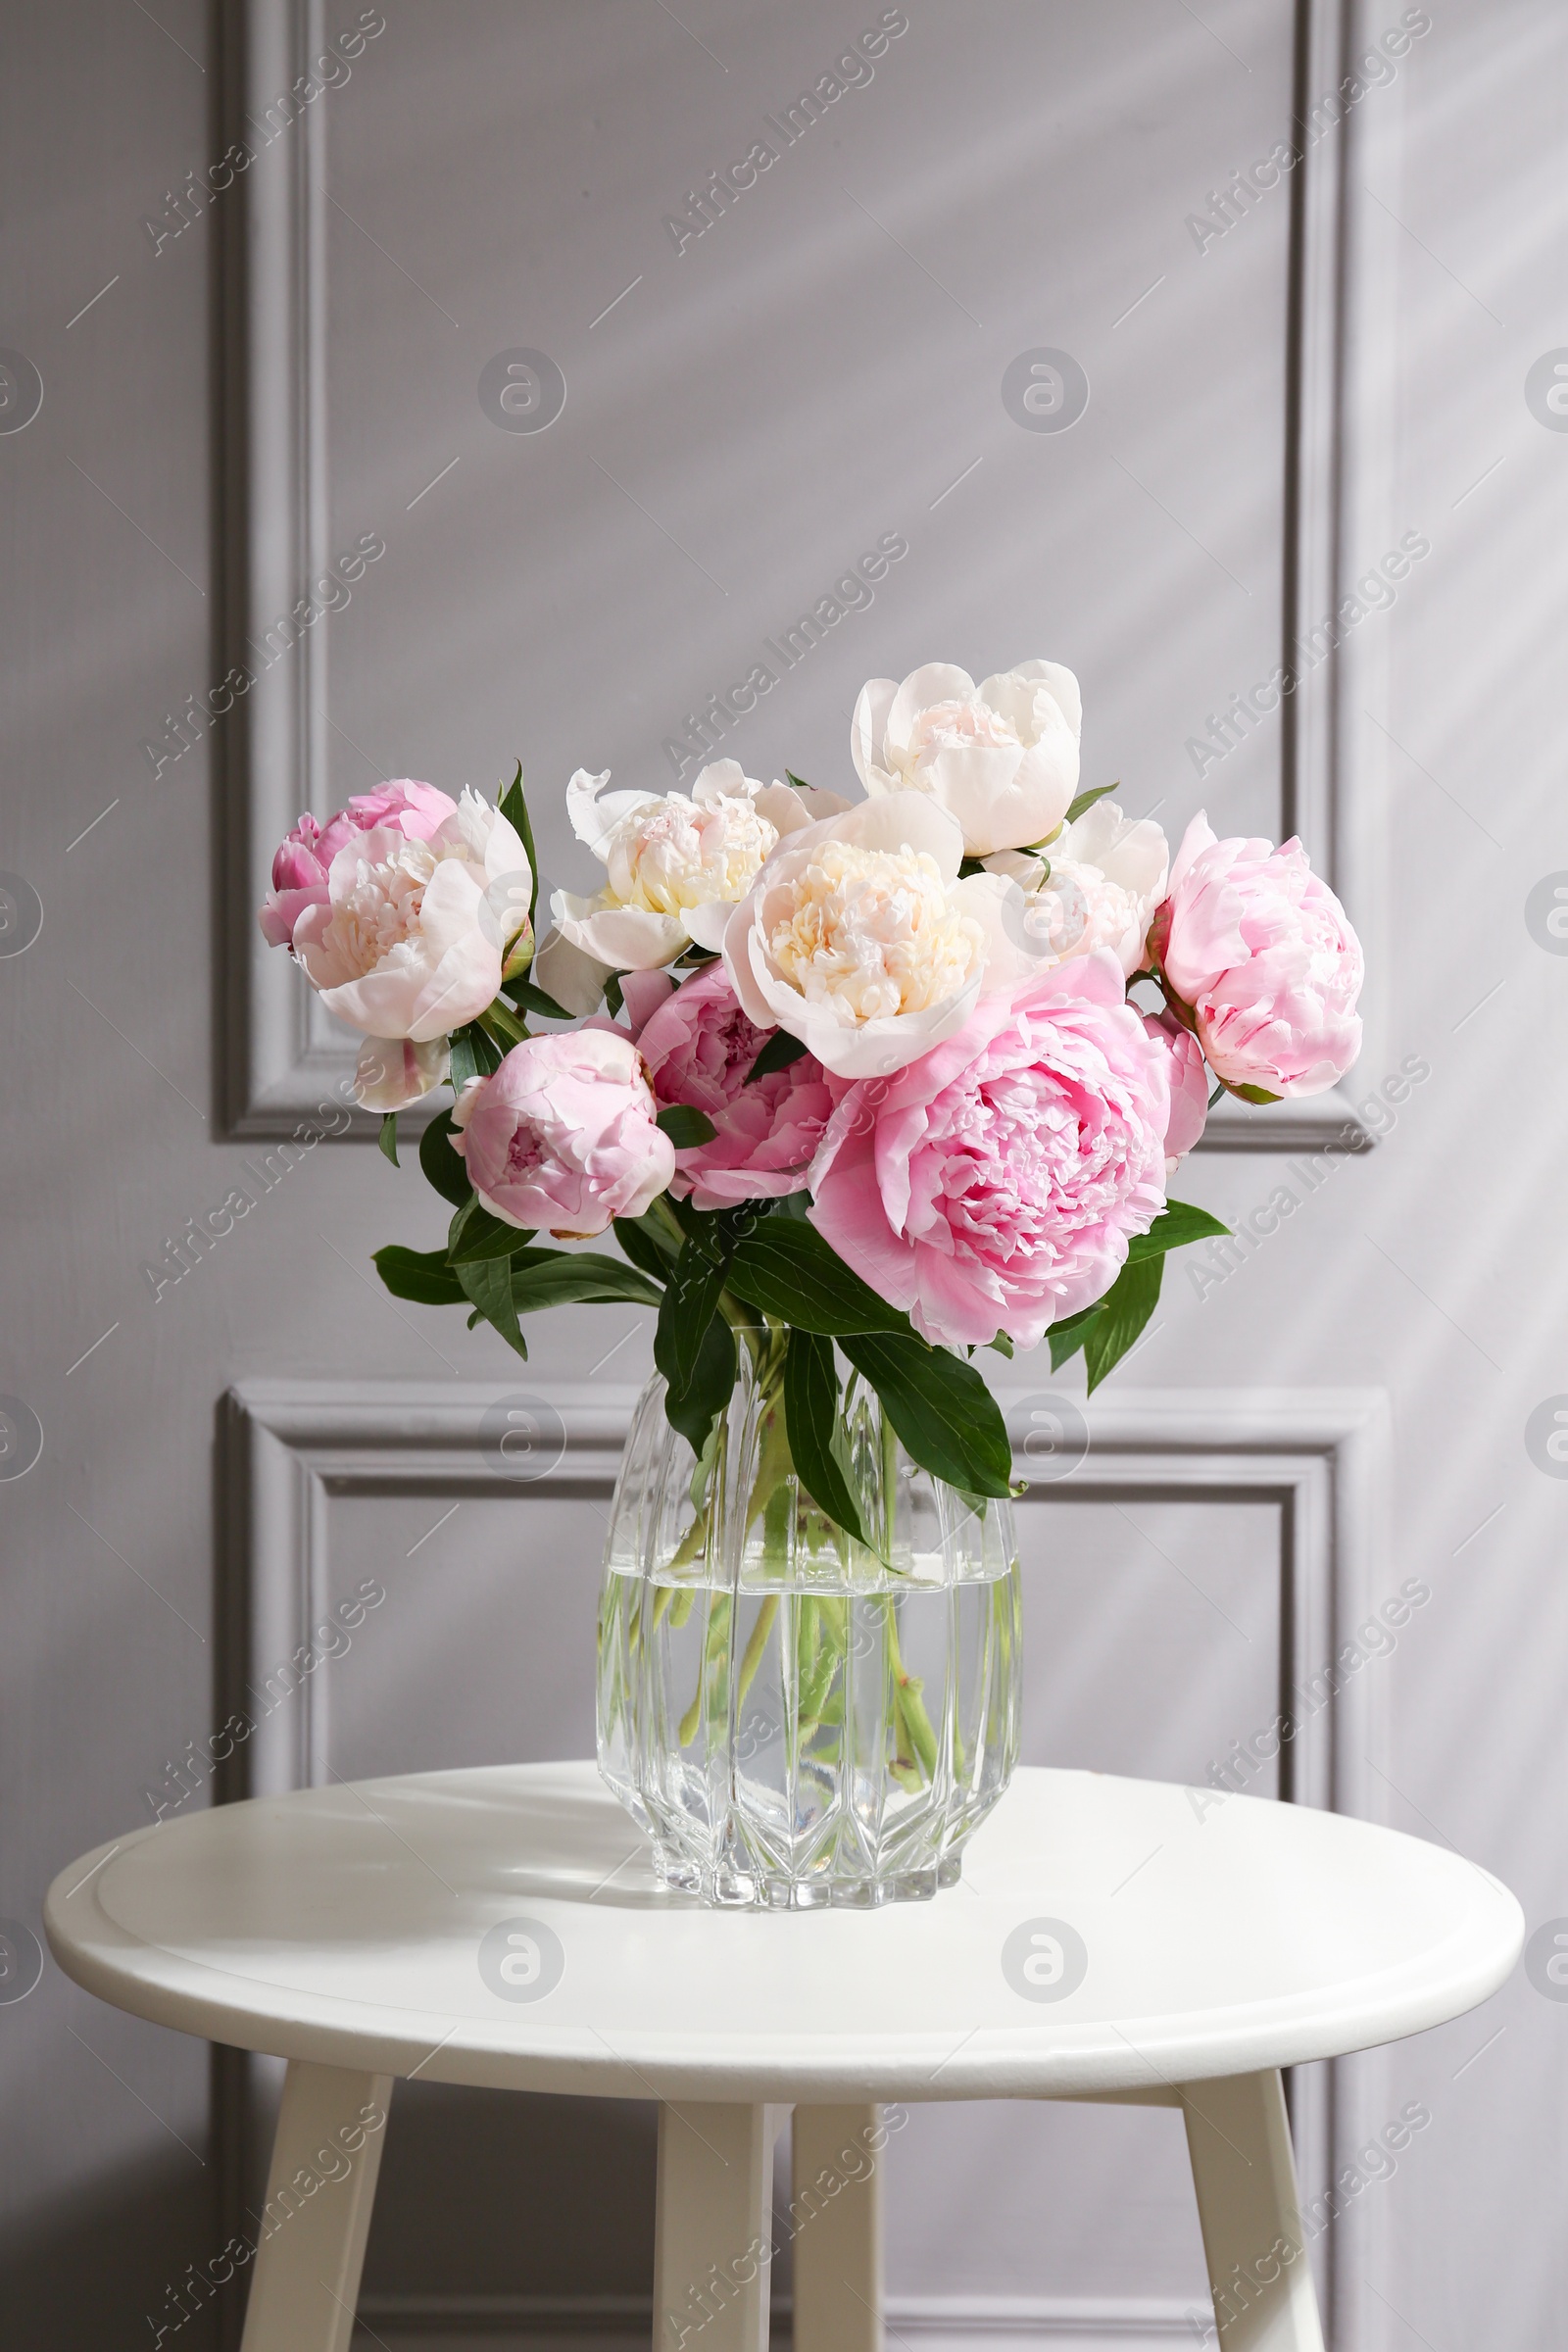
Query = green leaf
x=388 y=1138
x=478 y=1236
x=612 y=996
x=528 y=998
x=810 y=1416
x=1253 y=1094
x=1003 y=1344
x=488 y=1283
x=779 y=1052
x=1066 y=1338
x=690 y=1303
x=1177 y=1223
x=787 y=1269
x=473 y=1056
x=646 y=1246
x=799 y=782
x=542 y=1278
x=422 y=1275
x=694 y=1409
x=500 y=1025
x=945 y=1416
x=1086 y=800
x=515 y=808
x=972 y=865
x=1121 y=1316
x=443 y=1167
x=685 y=1125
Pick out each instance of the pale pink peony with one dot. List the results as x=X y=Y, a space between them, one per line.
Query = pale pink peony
x=563 y=1134
x=305 y=857
x=698 y=1045
x=411 y=939
x=1187 y=1075
x=994 y=1184
x=859 y=938
x=1262 y=951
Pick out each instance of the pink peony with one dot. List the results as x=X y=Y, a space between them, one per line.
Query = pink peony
x=305 y=857
x=698 y=1045
x=563 y=1134
x=994 y=1184
x=1261 y=950
x=1187 y=1076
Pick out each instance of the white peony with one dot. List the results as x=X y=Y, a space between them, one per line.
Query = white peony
x=1107 y=875
x=1000 y=756
x=858 y=938
x=410 y=944
x=674 y=865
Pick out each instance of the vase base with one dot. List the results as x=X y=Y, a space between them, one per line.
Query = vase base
x=732 y=1889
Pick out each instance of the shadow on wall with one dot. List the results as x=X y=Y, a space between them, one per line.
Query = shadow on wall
x=92 y=2268
x=498 y=2193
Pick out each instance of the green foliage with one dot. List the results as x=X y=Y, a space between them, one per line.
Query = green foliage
x=944 y=1415
x=515 y=808
x=422 y=1275
x=542 y=1278
x=388 y=1138
x=1177 y=1223
x=529 y=998
x=473 y=1056
x=785 y=1267
x=1086 y=800
x=812 y=1417
x=646 y=1244
x=1121 y=1316
x=693 y=1361
x=776 y=1055
x=443 y=1167
x=685 y=1125
x=488 y=1283
x=1068 y=1337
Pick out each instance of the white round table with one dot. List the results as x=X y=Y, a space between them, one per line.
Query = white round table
x=1111 y=1938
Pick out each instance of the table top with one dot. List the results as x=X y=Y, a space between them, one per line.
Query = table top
x=506 y=1927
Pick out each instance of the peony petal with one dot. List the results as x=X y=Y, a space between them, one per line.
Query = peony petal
x=935 y=682
x=642 y=994
x=393 y=1072
x=902 y=821
x=868 y=732
x=723 y=779
x=574 y=979
x=1058 y=682
x=790 y=808
x=593 y=819
x=1198 y=837
x=706 y=924
x=628 y=939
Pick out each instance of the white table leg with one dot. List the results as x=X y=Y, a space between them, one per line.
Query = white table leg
x=1239 y=2139
x=326 y=2154
x=836 y=2229
x=714 y=2240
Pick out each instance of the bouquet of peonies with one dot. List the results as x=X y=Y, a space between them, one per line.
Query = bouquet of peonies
x=872 y=1078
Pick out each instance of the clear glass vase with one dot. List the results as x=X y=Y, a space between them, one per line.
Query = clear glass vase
x=793 y=1719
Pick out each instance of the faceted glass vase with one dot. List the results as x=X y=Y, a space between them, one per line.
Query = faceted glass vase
x=794 y=1718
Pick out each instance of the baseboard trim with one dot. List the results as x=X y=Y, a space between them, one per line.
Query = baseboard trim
x=934 y=2323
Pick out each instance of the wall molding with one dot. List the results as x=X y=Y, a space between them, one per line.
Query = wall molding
x=936 y=2322
x=280 y=1054
x=289 y=1447
x=1340 y=452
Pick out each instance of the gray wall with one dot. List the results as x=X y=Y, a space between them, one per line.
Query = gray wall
x=823 y=366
